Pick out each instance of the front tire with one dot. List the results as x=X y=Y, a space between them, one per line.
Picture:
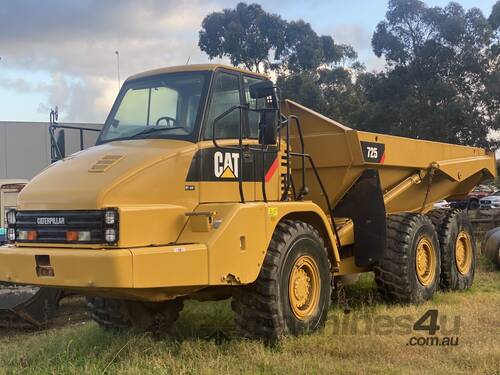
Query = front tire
x=154 y=317
x=409 y=271
x=292 y=292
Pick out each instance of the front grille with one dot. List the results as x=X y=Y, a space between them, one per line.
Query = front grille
x=51 y=226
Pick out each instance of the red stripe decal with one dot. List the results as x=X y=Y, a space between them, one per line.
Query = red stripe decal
x=272 y=169
x=382 y=158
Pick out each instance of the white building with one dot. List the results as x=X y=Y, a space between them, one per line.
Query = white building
x=25 y=146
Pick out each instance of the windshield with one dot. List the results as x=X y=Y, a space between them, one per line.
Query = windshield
x=165 y=106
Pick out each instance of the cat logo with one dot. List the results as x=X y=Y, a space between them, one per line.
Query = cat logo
x=226 y=164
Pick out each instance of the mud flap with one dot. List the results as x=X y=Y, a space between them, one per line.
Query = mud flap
x=364 y=205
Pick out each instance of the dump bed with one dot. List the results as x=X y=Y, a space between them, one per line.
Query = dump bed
x=434 y=170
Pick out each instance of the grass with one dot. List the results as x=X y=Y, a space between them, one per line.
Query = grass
x=194 y=349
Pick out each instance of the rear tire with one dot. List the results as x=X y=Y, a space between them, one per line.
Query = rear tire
x=115 y=314
x=292 y=292
x=409 y=270
x=457 y=246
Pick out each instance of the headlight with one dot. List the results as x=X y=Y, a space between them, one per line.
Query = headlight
x=110 y=235
x=11 y=217
x=11 y=234
x=110 y=216
x=111 y=225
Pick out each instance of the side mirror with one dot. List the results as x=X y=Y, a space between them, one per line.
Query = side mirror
x=267 y=126
x=61 y=145
x=261 y=89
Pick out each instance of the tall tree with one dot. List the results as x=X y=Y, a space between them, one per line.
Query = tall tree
x=310 y=68
x=255 y=39
x=248 y=35
x=438 y=85
x=493 y=59
x=303 y=50
x=332 y=91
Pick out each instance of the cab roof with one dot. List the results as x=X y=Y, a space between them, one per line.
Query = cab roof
x=193 y=68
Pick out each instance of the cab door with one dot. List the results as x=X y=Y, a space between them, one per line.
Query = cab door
x=221 y=167
x=267 y=161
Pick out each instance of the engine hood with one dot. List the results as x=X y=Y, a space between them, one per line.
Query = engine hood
x=131 y=172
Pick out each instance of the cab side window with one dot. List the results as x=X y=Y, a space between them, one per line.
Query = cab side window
x=253 y=117
x=225 y=94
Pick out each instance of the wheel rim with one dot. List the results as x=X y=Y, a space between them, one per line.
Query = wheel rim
x=425 y=261
x=463 y=253
x=303 y=287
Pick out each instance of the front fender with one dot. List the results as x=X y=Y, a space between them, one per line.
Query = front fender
x=240 y=235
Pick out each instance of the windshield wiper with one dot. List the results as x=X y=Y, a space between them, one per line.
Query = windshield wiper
x=152 y=130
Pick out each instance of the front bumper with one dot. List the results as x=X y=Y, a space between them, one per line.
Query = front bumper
x=92 y=269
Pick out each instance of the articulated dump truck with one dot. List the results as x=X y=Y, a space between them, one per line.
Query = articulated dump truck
x=205 y=185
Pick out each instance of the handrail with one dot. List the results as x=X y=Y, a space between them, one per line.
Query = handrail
x=323 y=190
x=55 y=151
x=240 y=149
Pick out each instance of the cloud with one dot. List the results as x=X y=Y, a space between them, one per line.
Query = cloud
x=357 y=36
x=360 y=38
x=22 y=85
x=75 y=42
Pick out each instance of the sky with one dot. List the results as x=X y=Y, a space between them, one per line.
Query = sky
x=59 y=52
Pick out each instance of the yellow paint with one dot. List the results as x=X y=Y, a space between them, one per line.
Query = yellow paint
x=304 y=287
x=149 y=267
x=463 y=252
x=201 y=221
x=228 y=173
x=425 y=262
x=72 y=267
x=457 y=168
x=194 y=68
x=348 y=266
x=273 y=213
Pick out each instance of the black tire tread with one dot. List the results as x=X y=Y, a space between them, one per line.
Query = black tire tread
x=115 y=314
x=392 y=273
x=108 y=313
x=256 y=306
x=442 y=219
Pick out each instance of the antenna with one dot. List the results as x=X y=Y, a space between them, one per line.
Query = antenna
x=117 y=53
x=189 y=58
